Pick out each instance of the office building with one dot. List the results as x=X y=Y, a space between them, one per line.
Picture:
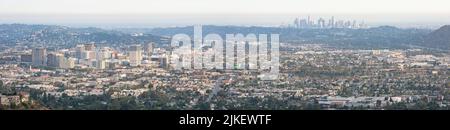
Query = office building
x=39 y=57
x=135 y=55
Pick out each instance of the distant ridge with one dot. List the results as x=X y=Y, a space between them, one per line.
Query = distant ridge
x=439 y=38
x=67 y=36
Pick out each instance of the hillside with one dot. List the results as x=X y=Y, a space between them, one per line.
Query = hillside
x=439 y=38
x=378 y=37
x=66 y=36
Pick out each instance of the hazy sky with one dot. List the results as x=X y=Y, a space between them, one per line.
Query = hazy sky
x=213 y=11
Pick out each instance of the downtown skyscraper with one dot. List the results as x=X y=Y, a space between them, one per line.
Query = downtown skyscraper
x=321 y=23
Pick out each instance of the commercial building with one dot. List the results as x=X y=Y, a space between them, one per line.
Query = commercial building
x=135 y=55
x=39 y=57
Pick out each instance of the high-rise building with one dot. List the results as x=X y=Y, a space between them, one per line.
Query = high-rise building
x=149 y=49
x=52 y=60
x=296 y=23
x=61 y=60
x=39 y=57
x=85 y=51
x=79 y=50
x=101 y=55
x=135 y=55
x=101 y=64
x=321 y=23
x=58 y=60
x=163 y=61
x=308 y=22
x=331 y=23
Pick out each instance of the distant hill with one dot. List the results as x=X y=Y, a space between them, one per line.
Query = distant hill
x=377 y=37
x=439 y=38
x=66 y=36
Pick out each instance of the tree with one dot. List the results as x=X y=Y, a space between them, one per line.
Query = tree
x=150 y=85
x=2 y=89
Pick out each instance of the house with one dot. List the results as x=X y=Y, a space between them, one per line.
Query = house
x=8 y=100
x=4 y=100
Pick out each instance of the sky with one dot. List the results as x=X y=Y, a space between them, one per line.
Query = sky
x=258 y=12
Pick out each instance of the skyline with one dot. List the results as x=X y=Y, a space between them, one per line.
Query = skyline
x=152 y=21
x=223 y=63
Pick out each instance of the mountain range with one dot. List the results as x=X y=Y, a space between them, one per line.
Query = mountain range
x=377 y=37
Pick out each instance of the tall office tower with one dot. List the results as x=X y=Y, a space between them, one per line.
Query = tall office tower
x=101 y=64
x=101 y=55
x=331 y=23
x=39 y=56
x=135 y=55
x=163 y=61
x=149 y=49
x=61 y=60
x=79 y=49
x=52 y=60
x=321 y=23
x=56 y=60
x=296 y=23
x=309 y=21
